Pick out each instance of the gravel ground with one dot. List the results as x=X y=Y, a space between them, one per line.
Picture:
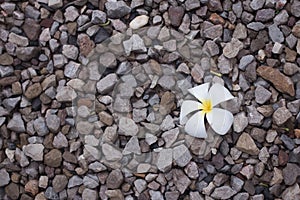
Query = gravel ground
x=91 y=93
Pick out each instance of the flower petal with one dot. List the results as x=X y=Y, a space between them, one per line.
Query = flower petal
x=220 y=120
x=187 y=107
x=195 y=126
x=200 y=91
x=218 y=93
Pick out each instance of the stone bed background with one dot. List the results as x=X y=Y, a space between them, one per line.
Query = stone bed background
x=91 y=95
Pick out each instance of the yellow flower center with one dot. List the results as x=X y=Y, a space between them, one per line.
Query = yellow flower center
x=206 y=106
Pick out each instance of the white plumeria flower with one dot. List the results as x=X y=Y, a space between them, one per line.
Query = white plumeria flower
x=219 y=119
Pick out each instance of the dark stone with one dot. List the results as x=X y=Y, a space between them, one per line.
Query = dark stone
x=101 y=35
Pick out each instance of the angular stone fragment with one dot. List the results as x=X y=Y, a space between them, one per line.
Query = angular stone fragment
x=107 y=83
x=164 y=161
x=232 y=48
x=281 y=115
x=224 y=192
x=127 y=127
x=280 y=81
x=176 y=15
x=66 y=94
x=181 y=155
x=53 y=158
x=34 y=151
x=4 y=177
x=181 y=181
x=117 y=9
x=246 y=144
x=16 y=123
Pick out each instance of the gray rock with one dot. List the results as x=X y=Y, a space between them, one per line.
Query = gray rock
x=71 y=14
x=275 y=34
x=257 y=4
x=191 y=4
x=40 y=126
x=155 y=195
x=117 y=9
x=134 y=44
x=114 y=179
x=176 y=15
x=59 y=183
x=240 y=122
x=236 y=183
x=122 y=104
x=281 y=115
x=290 y=173
x=262 y=95
x=21 y=158
x=98 y=17
x=181 y=181
x=240 y=31
x=72 y=69
x=66 y=94
x=224 y=192
x=60 y=141
x=245 y=61
x=290 y=68
x=164 y=161
x=53 y=122
x=4 y=177
x=167 y=123
x=55 y=3
x=108 y=60
x=213 y=32
x=170 y=137
x=241 y=196
x=91 y=181
x=127 y=127
x=107 y=83
x=34 y=151
x=132 y=146
x=288 y=142
x=89 y=194
x=256 y=26
x=11 y=103
x=18 y=40
x=224 y=65
x=140 y=185
x=6 y=71
x=281 y=18
x=16 y=123
x=292 y=192
x=265 y=15
x=192 y=170
x=50 y=194
x=232 y=48
x=181 y=155
x=254 y=117
x=295 y=8
x=74 y=181
x=111 y=153
x=70 y=51
x=294 y=106
x=97 y=167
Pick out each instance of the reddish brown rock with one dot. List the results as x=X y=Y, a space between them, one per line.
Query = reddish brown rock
x=33 y=91
x=216 y=19
x=53 y=158
x=281 y=82
x=32 y=187
x=86 y=45
x=32 y=29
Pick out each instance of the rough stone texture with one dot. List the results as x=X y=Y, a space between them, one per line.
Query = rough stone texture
x=246 y=144
x=281 y=82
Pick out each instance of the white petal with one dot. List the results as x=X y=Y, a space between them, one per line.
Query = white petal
x=187 y=107
x=200 y=91
x=195 y=126
x=220 y=120
x=218 y=93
